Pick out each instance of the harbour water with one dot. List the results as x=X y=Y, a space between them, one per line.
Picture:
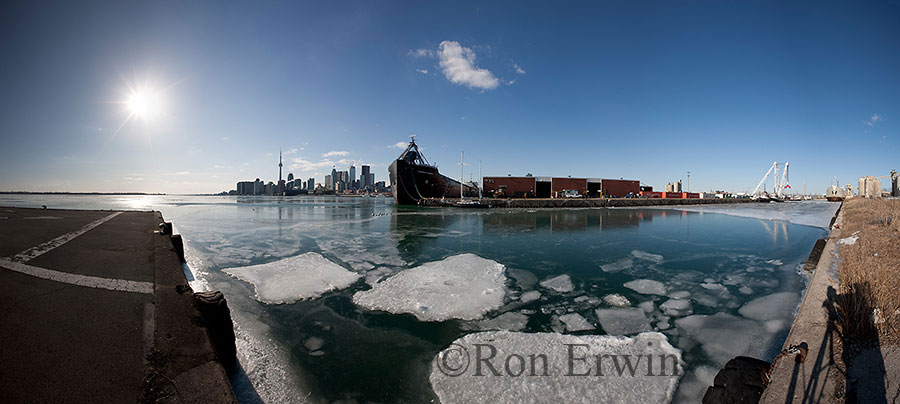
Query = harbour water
x=736 y=279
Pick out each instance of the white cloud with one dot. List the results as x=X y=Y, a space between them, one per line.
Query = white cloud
x=421 y=53
x=398 y=145
x=293 y=150
x=875 y=119
x=226 y=138
x=218 y=166
x=183 y=173
x=306 y=165
x=458 y=64
x=518 y=69
x=423 y=71
x=336 y=153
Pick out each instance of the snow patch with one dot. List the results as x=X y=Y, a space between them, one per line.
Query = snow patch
x=305 y=276
x=463 y=287
x=849 y=240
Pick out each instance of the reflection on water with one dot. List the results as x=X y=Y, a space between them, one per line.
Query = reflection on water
x=722 y=263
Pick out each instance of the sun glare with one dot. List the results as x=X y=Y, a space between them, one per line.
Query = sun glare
x=144 y=103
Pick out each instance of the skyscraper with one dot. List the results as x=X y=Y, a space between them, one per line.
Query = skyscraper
x=364 y=177
x=352 y=176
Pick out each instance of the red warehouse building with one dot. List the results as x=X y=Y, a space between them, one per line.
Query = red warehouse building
x=515 y=187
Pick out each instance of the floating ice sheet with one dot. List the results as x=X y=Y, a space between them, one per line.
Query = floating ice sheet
x=509 y=321
x=616 y=300
x=623 y=321
x=647 y=287
x=458 y=377
x=724 y=336
x=808 y=213
x=647 y=256
x=777 y=306
x=305 y=276
x=561 y=284
x=575 y=322
x=461 y=287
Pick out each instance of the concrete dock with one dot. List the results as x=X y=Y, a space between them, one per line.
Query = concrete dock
x=566 y=203
x=95 y=307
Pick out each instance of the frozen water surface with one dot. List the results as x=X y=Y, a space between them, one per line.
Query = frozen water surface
x=738 y=276
x=807 y=213
x=510 y=379
x=461 y=287
x=305 y=276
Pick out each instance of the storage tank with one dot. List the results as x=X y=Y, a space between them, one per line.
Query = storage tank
x=873 y=187
x=861 y=191
x=678 y=186
x=895 y=177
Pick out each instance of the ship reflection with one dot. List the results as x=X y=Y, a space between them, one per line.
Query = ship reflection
x=415 y=228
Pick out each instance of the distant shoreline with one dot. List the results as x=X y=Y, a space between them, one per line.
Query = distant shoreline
x=73 y=193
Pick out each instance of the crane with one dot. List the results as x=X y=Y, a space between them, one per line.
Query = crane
x=780 y=183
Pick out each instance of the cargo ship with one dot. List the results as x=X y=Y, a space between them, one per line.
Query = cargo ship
x=414 y=179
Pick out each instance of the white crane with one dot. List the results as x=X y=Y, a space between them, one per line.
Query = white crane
x=780 y=183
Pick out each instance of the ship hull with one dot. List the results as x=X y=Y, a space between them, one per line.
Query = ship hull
x=413 y=182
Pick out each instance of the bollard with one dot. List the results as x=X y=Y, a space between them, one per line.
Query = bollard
x=178 y=244
x=217 y=318
x=165 y=228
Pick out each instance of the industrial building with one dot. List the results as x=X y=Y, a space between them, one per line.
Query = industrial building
x=556 y=187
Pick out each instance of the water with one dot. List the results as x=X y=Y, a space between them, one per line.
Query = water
x=722 y=261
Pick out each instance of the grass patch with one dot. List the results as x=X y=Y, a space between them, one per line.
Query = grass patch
x=869 y=271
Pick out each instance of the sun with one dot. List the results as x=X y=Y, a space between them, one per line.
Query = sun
x=144 y=103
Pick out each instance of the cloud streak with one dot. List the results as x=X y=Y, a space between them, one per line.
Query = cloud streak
x=873 y=120
x=458 y=65
x=336 y=153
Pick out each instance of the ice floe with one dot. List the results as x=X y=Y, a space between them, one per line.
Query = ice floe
x=530 y=296
x=305 y=276
x=504 y=372
x=723 y=336
x=618 y=266
x=575 y=322
x=777 y=306
x=647 y=287
x=616 y=300
x=463 y=287
x=677 y=307
x=509 y=321
x=623 y=321
x=647 y=256
x=561 y=284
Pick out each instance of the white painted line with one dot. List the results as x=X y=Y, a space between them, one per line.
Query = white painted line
x=96 y=282
x=38 y=250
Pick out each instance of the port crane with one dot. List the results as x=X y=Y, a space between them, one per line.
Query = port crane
x=780 y=183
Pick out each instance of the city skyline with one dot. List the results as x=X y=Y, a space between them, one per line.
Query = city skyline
x=190 y=98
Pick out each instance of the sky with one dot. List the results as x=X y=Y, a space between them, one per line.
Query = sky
x=636 y=90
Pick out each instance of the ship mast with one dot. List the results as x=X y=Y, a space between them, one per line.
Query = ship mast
x=461 y=175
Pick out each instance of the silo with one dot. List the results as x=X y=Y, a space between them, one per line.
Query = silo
x=895 y=177
x=873 y=187
x=678 y=186
x=861 y=192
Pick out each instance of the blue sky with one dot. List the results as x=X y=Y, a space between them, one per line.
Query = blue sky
x=640 y=90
